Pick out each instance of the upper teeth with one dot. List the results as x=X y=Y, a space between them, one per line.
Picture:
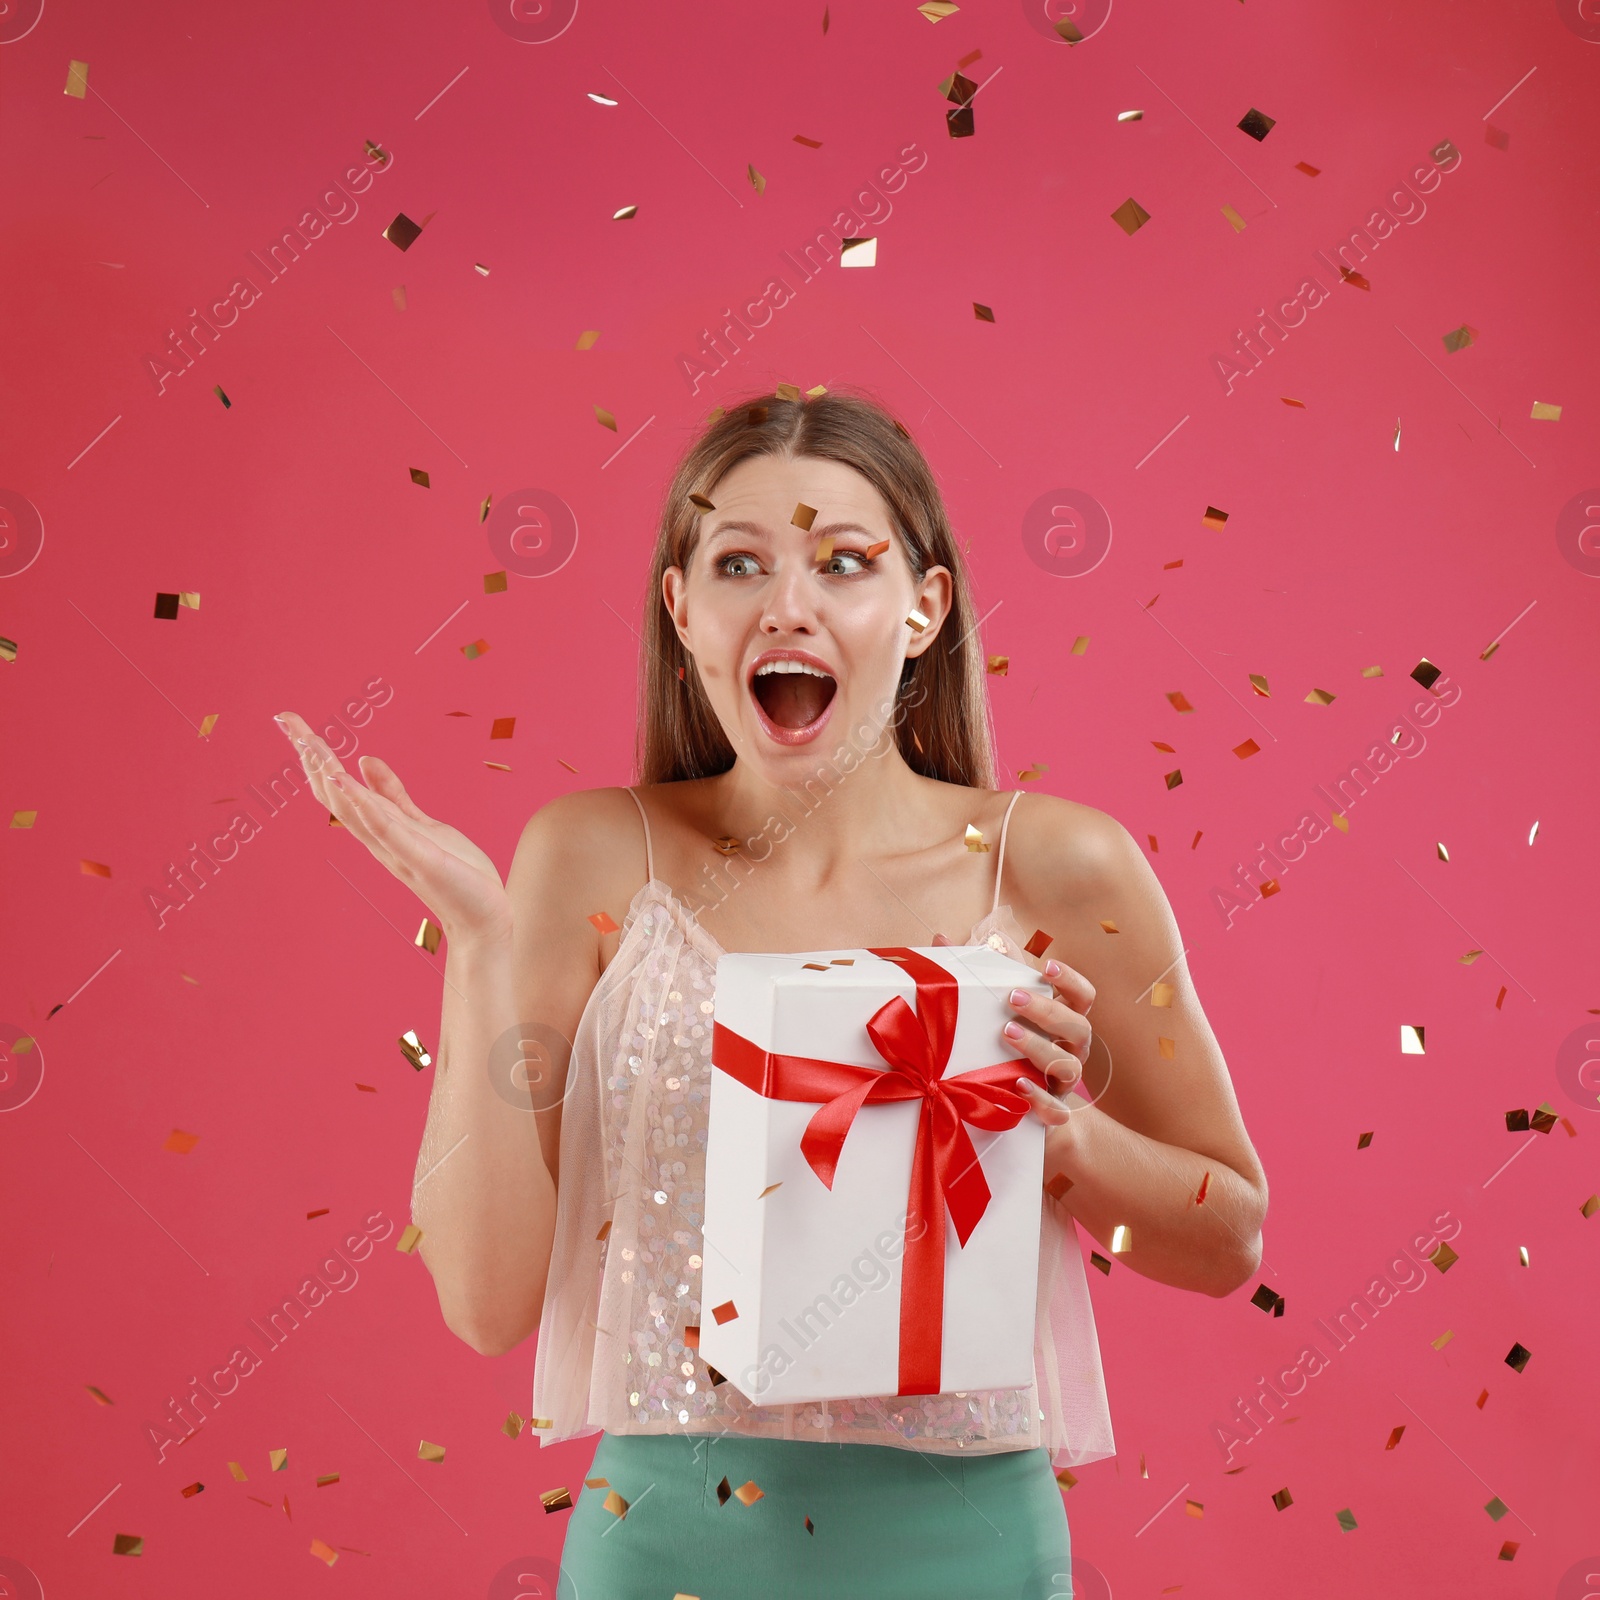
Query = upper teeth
x=791 y=666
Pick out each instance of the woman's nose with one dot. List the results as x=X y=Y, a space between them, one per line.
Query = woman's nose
x=790 y=600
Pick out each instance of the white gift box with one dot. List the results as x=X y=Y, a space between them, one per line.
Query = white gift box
x=803 y=1284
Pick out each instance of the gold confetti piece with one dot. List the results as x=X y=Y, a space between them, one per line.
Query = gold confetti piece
x=1340 y=821
x=1522 y=1254
x=586 y=339
x=128 y=1544
x=1130 y=216
x=419 y=476
x=279 y=1459
x=757 y=181
x=94 y=869
x=1235 y=221
x=602 y=920
x=1590 y=1206
x=1069 y=31
x=605 y=1228
x=1214 y=519
x=788 y=391
x=749 y=1493
x=398 y=294
x=726 y=1312
x=1412 y=1039
x=842 y=961
x=624 y=213
x=567 y=764
x=999 y=666
x=1028 y=774
x=769 y=1188
x=430 y=1452
x=1459 y=338
x=858 y=252
x=1444 y=1338
x=915 y=621
x=179 y=1142
x=615 y=1504
x=1066 y=1477
x=1320 y=697
x=1363 y=1141
x=412 y=1049
x=239 y=1474
x=1080 y=645
x=326 y=1479
x=324 y=1552
x=1194 y=1508
x=1039 y=943
x=597 y=1483
x=99 y=1395
x=1497 y=1508
x=1168 y=1048
x=803 y=516
x=1283 y=1499
x=1121 y=1238
x=982 y=313
x=728 y=845
x=556 y=1499
x=812 y=393
x=605 y=419
x=938 y=10
x=541 y=1422
x=512 y=1426
x=1257 y=124
x=1174 y=778
x=428 y=936
x=26 y=819
x=974 y=839
x=1309 y=170
x=8 y=649
x=77 y=79
x=1397 y=433
x=1100 y=1261
x=876 y=548
x=1161 y=993
x=1444 y=855
x=1517 y=1357
x=410 y=1238
x=310 y=1215
x=1179 y=701
x=480 y=269
x=1130 y=116
x=477 y=648
x=217 y=390
x=402 y=232
x=1544 y=412
x=701 y=501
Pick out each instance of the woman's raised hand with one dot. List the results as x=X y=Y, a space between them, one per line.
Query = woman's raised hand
x=457 y=882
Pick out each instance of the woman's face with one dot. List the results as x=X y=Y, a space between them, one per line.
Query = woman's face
x=788 y=645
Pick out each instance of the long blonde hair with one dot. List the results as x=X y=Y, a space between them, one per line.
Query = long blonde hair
x=941 y=718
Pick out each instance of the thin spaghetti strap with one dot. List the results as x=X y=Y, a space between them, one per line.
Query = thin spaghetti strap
x=1000 y=859
x=649 y=852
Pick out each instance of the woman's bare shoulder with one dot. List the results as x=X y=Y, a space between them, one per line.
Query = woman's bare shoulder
x=1077 y=849
x=580 y=850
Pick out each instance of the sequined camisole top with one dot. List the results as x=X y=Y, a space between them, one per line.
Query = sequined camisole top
x=625 y=1271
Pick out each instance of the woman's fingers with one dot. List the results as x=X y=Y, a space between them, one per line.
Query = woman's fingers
x=1070 y=985
x=1046 y=1107
x=1060 y=1065
x=1055 y=1019
x=382 y=778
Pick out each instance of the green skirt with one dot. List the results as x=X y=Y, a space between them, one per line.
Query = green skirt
x=884 y=1523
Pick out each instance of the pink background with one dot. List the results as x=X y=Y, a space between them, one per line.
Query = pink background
x=322 y=567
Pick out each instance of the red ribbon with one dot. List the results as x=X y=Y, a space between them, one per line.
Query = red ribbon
x=915 y=1046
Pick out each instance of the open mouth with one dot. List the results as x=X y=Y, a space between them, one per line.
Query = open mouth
x=793 y=696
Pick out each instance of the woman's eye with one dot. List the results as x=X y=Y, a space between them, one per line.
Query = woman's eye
x=833 y=563
x=737 y=566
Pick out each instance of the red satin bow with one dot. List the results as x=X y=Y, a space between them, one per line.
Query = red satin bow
x=915 y=1046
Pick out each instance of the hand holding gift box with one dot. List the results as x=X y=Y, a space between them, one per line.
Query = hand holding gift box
x=873 y=1181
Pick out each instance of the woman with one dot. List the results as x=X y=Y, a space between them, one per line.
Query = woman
x=815 y=755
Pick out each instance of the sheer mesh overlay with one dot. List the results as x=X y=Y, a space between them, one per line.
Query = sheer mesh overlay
x=625 y=1270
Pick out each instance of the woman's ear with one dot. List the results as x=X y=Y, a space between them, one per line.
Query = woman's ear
x=934 y=596
x=672 y=591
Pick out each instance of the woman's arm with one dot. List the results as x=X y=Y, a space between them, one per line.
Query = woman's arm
x=1163 y=1118
x=486 y=1179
